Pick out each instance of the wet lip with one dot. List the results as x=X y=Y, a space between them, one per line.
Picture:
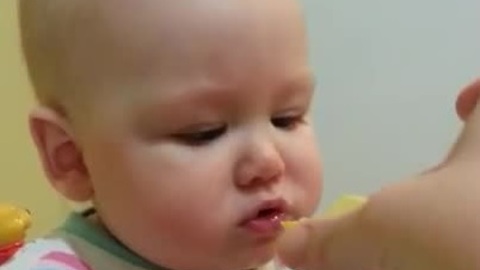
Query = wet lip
x=265 y=219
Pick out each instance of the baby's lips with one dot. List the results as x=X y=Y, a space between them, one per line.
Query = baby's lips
x=343 y=205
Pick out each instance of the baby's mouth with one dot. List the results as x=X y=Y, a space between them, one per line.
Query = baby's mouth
x=270 y=213
x=266 y=220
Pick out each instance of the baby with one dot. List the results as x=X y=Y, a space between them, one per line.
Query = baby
x=184 y=123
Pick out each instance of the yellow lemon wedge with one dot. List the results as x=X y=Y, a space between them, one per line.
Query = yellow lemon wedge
x=289 y=224
x=343 y=205
x=14 y=223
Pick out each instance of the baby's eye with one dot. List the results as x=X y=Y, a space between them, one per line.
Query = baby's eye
x=200 y=137
x=287 y=122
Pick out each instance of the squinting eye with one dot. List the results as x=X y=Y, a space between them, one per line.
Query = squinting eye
x=200 y=137
x=287 y=122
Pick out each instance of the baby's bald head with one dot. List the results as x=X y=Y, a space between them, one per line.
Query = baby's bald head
x=67 y=49
x=75 y=49
x=47 y=28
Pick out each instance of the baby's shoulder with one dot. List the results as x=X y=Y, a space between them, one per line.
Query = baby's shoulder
x=45 y=254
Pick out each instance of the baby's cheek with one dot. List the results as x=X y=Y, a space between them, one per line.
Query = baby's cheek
x=315 y=196
x=309 y=181
x=311 y=195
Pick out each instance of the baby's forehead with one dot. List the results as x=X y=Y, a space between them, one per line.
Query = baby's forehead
x=143 y=33
x=175 y=23
x=91 y=40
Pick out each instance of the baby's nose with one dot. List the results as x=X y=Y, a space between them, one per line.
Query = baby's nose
x=262 y=165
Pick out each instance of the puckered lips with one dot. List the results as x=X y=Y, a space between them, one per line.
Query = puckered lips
x=265 y=218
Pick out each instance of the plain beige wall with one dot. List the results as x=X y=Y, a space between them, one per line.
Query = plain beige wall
x=21 y=179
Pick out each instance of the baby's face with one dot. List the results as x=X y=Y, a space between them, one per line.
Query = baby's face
x=201 y=142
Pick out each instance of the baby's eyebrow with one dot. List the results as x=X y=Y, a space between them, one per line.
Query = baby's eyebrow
x=184 y=96
x=200 y=94
x=301 y=84
x=298 y=87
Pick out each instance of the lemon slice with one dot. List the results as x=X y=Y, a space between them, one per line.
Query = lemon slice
x=289 y=224
x=343 y=205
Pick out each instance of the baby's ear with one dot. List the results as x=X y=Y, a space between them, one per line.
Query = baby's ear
x=60 y=154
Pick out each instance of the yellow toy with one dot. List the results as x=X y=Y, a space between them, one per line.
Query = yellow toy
x=343 y=205
x=14 y=223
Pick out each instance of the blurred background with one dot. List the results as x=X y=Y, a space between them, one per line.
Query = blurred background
x=388 y=75
x=21 y=179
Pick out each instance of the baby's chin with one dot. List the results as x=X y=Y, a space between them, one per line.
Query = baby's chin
x=222 y=264
x=257 y=258
x=254 y=264
x=251 y=259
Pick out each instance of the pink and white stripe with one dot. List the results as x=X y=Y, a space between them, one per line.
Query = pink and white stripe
x=61 y=260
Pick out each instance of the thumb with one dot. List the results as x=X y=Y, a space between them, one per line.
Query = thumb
x=341 y=243
x=467 y=100
x=467 y=146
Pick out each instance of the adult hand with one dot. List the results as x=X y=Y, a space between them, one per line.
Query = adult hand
x=430 y=221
